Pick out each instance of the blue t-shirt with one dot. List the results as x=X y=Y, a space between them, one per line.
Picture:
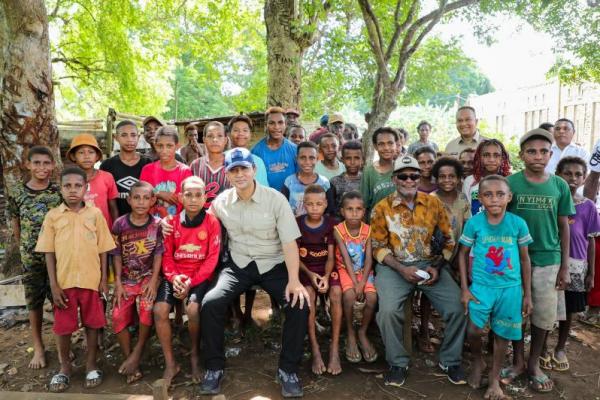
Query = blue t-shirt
x=261 y=171
x=293 y=190
x=279 y=163
x=496 y=261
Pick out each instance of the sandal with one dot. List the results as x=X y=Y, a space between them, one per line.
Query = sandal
x=559 y=365
x=536 y=383
x=508 y=376
x=59 y=383
x=546 y=362
x=353 y=358
x=93 y=379
x=368 y=358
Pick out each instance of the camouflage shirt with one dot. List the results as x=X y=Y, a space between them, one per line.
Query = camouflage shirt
x=30 y=207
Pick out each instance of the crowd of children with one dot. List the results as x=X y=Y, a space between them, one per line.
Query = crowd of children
x=525 y=241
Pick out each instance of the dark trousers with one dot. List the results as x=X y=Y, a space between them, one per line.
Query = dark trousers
x=233 y=281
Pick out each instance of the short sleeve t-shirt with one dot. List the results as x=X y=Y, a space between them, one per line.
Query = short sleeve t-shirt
x=30 y=207
x=137 y=246
x=540 y=205
x=125 y=177
x=471 y=191
x=343 y=184
x=321 y=169
x=279 y=163
x=293 y=190
x=215 y=179
x=495 y=249
x=165 y=181
x=584 y=224
x=100 y=189
x=313 y=243
x=375 y=187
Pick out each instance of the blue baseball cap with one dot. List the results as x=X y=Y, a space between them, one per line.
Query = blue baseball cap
x=238 y=157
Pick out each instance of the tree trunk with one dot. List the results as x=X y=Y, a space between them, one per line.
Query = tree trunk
x=383 y=103
x=27 y=100
x=284 y=55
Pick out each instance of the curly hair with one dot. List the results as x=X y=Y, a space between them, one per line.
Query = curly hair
x=571 y=160
x=479 y=169
x=447 y=162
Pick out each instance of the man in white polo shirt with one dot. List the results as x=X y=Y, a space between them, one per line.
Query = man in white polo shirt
x=564 y=130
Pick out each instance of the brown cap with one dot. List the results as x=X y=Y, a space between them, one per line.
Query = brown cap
x=335 y=117
x=536 y=132
x=406 y=162
x=292 y=111
x=152 y=118
x=83 y=139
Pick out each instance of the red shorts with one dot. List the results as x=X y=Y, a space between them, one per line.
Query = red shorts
x=89 y=304
x=347 y=282
x=126 y=315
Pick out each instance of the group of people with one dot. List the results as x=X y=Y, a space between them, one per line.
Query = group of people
x=190 y=229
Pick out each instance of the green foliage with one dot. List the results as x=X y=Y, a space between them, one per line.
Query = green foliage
x=440 y=73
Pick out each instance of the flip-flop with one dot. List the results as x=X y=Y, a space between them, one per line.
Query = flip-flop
x=508 y=376
x=59 y=383
x=93 y=378
x=546 y=362
x=354 y=359
x=558 y=365
x=372 y=357
x=536 y=383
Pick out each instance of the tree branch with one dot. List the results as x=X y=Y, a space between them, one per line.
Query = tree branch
x=375 y=37
x=400 y=27
x=431 y=19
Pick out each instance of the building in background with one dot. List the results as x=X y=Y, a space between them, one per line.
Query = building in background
x=517 y=111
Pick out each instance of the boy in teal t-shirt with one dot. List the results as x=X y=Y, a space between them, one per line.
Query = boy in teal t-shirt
x=544 y=201
x=501 y=286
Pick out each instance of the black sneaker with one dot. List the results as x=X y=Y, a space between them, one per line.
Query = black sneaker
x=395 y=376
x=211 y=384
x=455 y=374
x=290 y=384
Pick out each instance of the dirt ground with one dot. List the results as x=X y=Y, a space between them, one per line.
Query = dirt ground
x=251 y=373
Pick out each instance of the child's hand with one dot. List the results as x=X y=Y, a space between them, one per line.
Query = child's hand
x=465 y=298
x=324 y=285
x=120 y=293
x=166 y=225
x=527 y=306
x=103 y=288
x=589 y=282
x=315 y=280
x=59 y=298
x=149 y=290
x=181 y=286
x=563 y=279
x=168 y=197
x=359 y=289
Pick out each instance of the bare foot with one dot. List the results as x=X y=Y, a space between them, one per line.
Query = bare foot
x=494 y=392
x=335 y=366
x=130 y=365
x=38 y=360
x=136 y=376
x=170 y=373
x=196 y=375
x=474 y=379
x=510 y=374
x=318 y=366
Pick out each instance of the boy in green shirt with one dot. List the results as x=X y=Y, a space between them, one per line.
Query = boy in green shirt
x=376 y=181
x=543 y=200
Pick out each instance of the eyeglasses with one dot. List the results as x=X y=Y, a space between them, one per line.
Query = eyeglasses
x=412 y=177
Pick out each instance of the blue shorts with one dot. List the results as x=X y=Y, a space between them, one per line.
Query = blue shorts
x=501 y=306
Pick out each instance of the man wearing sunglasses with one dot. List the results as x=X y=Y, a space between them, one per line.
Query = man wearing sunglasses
x=402 y=226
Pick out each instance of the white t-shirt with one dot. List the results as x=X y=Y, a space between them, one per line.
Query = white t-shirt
x=572 y=150
x=471 y=191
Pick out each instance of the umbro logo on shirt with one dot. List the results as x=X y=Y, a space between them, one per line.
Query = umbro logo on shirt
x=127 y=182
